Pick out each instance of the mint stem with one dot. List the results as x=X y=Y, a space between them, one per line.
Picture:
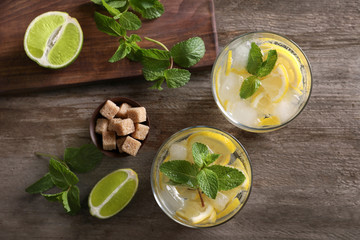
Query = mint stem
x=201 y=199
x=163 y=46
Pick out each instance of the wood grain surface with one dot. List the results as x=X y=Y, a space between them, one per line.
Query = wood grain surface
x=181 y=21
x=306 y=176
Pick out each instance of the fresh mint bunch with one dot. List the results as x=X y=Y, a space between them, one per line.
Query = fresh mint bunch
x=203 y=175
x=158 y=64
x=258 y=68
x=61 y=175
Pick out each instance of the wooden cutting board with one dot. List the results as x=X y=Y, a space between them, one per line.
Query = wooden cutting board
x=181 y=20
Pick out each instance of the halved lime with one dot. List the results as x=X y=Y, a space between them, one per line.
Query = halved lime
x=53 y=39
x=112 y=193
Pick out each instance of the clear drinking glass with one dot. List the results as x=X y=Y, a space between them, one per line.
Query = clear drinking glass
x=170 y=200
x=226 y=85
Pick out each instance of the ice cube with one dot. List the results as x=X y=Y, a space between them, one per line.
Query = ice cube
x=178 y=151
x=241 y=55
x=230 y=87
x=284 y=110
x=242 y=112
x=171 y=197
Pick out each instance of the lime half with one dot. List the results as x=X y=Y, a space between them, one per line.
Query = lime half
x=112 y=193
x=53 y=39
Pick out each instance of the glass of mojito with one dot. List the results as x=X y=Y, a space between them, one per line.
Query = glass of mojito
x=201 y=177
x=261 y=81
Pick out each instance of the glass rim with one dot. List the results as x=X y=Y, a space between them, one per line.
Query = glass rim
x=157 y=198
x=259 y=129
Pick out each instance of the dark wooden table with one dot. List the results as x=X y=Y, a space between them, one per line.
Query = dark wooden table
x=306 y=175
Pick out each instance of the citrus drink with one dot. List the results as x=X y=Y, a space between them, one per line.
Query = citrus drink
x=184 y=204
x=283 y=92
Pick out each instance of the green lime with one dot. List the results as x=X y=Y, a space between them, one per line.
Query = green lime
x=112 y=193
x=53 y=39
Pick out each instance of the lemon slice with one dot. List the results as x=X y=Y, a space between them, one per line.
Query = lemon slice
x=212 y=218
x=228 y=63
x=194 y=212
x=162 y=178
x=290 y=62
x=220 y=202
x=276 y=84
x=261 y=101
x=217 y=83
x=246 y=184
x=231 y=207
x=273 y=120
x=216 y=142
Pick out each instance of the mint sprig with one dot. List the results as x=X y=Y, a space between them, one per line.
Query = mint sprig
x=61 y=175
x=158 y=64
x=258 y=68
x=203 y=175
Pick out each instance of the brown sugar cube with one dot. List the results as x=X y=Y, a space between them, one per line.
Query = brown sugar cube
x=113 y=124
x=122 y=113
x=137 y=114
x=125 y=127
x=131 y=146
x=119 y=143
x=101 y=125
x=109 y=140
x=109 y=110
x=141 y=131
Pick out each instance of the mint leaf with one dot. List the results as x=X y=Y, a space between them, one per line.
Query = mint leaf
x=134 y=55
x=180 y=171
x=153 y=12
x=157 y=85
x=113 y=11
x=117 y=4
x=83 y=159
x=254 y=60
x=151 y=75
x=154 y=69
x=249 y=87
x=129 y=21
x=210 y=158
x=61 y=176
x=228 y=177
x=148 y=9
x=42 y=185
x=135 y=52
x=176 y=77
x=112 y=3
x=108 y=25
x=268 y=65
x=199 y=152
x=156 y=54
x=208 y=182
x=189 y=52
x=122 y=51
x=73 y=200
x=56 y=197
x=65 y=202
x=134 y=38
x=155 y=65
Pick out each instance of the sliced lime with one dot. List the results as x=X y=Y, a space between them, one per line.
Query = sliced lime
x=112 y=193
x=53 y=39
